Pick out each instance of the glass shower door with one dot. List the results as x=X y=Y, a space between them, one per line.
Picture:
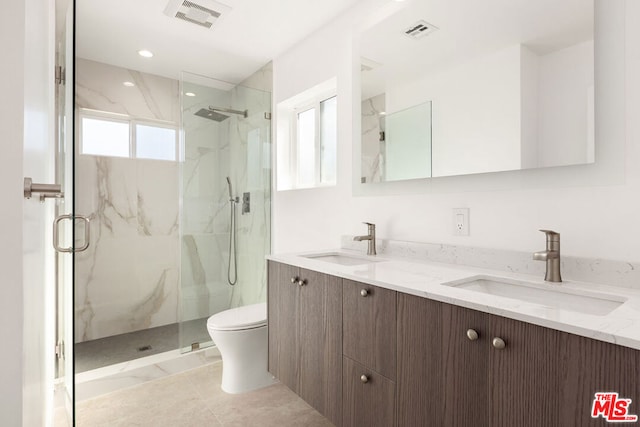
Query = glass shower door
x=225 y=173
x=64 y=175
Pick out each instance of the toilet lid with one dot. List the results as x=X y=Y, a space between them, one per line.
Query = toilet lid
x=247 y=317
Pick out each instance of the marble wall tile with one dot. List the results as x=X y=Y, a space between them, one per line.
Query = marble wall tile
x=157 y=195
x=371 y=146
x=151 y=264
x=241 y=152
x=609 y=272
x=128 y=278
x=99 y=87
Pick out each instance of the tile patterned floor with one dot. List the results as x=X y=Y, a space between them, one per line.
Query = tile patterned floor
x=125 y=347
x=194 y=398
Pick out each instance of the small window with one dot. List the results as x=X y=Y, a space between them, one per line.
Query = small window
x=306 y=138
x=306 y=148
x=328 y=140
x=153 y=142
x=102 y=137
x=107 y=134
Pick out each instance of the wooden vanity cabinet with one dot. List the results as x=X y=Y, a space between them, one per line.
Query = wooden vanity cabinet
x=542 y=377
x=451 y=374
x=369 y=328
x=305 y=335
x=368 y=356
x=368 y=397
x=369 y=348
x=595 y=366
x=419 y=395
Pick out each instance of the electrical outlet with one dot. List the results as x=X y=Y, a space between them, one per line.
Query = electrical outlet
x=461 y=221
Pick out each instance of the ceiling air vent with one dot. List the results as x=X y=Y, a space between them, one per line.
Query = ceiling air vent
x=204 y=13
x=419 y=29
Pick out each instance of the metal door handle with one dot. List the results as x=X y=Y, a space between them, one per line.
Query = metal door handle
x=45 y=190
x=87 y=233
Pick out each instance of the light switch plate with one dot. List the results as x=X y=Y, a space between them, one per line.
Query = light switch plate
x=461 y=221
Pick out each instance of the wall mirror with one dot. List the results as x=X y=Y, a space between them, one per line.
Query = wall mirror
x=457 y=87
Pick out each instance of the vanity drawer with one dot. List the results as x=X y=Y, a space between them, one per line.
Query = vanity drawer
x=369 y=326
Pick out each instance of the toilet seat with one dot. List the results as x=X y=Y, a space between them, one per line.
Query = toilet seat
x=240 y=318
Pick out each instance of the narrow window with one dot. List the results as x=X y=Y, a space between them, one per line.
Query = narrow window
x=153 y=142
x=306 y=138
x=328 y=140
x=103 y=137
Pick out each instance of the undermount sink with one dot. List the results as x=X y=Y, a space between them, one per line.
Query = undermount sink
x=553 y=296
x=342 y=259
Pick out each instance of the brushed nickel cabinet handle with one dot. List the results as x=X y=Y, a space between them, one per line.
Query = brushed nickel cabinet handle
x=472 y=334
x=364 y=292
x=498 y=343
x=364 y=378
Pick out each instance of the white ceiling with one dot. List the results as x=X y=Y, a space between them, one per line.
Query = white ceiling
x=467 y=29
x=249 y=36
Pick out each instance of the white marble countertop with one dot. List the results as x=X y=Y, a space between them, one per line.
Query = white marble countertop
x=428 y=279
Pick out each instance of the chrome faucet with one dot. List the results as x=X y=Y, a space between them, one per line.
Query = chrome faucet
x=371 y=237
x=551 y=255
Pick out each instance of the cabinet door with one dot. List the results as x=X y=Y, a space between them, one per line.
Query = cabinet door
x=369 y=315
x=465 y=366
x=595 y=366
x=419 y=380
x=369 y=403
x=321 y=343
x=283 y=313
x=526 y=376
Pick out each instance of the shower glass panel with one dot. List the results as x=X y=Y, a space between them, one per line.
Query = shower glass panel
x=225 y=171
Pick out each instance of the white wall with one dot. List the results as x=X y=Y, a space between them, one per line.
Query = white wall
x=39 y=256
x=26 y=125
x=587 y=204
x=475 y=113
x=11 y=124
x=565 y=84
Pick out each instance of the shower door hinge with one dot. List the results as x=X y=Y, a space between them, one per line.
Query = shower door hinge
x=60 y=75
x=60 y=350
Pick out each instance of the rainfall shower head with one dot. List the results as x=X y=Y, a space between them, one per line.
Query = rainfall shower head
x=211 y=115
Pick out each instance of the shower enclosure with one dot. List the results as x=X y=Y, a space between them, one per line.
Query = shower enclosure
x=225 y=212
x=170 y=246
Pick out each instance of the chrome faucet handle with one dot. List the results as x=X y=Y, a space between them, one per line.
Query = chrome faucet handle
x=551 y=235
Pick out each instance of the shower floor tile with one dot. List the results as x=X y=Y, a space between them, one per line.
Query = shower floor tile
x=133 y=345
x=194 y=398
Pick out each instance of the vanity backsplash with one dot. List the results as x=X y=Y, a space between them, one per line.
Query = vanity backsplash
x=615 y=273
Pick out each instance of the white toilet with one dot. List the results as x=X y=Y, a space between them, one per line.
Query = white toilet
x=241 y=337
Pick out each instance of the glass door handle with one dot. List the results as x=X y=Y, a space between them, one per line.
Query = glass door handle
x=87 y=233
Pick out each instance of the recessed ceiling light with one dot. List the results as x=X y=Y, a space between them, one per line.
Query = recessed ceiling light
x=190 y=94
x=145 y=53
x=129 y=84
